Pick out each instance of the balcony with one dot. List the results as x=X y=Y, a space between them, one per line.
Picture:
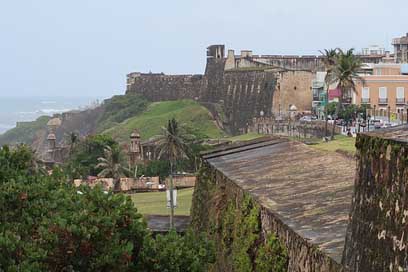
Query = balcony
x=400 y=101
x=382 y=100
x=365 y=100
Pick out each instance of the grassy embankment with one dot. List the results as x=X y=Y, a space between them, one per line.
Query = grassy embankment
x=24 y=132
x=150 y=122
x=340 y=143
x=155 y=203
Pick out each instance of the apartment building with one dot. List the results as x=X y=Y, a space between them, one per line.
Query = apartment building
x=386 y=89
x=401 y=49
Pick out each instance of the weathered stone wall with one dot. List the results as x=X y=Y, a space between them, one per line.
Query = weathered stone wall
x=243 y=92
x=376 y=238
x=295 y=88
x=159 y=87
x=248 y=236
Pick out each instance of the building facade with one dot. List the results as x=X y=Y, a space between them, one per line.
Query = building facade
x=383 y=93
x=401 y=49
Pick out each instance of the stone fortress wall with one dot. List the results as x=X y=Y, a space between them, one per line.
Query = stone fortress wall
x=376 y=238
x=242 y=85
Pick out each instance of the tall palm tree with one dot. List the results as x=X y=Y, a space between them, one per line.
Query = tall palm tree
x=329 y=61
x=345 y=74
x=111 y=166
x=73 y=140
x=172 y=144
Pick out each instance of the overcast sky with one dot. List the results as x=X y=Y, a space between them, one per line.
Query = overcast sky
x=86 y=47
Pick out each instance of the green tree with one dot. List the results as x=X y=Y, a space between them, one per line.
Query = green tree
x=111 y=166
x=49 y=225
x=84 y=158
x=73 y=139
x=329 y=60
x=172 y=144
x=175 y=253
x=345 y=74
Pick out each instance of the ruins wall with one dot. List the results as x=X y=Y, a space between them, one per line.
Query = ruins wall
x=242 y=229
x=376 y=238
x=160 y=87
x=295 y=88
x=243 y=92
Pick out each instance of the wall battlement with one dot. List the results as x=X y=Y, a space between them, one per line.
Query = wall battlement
x=269 y=84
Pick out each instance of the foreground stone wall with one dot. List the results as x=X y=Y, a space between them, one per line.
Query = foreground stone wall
x=249 y=237
x=377 y=235
x=376 y=238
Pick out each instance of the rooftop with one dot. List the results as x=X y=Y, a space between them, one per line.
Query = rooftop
x=308 y=190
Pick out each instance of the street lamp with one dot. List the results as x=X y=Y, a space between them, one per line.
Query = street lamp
x=374 y=111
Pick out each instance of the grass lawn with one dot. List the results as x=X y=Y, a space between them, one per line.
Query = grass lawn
x=150 y=122
x=155 y=202
x=341 y=142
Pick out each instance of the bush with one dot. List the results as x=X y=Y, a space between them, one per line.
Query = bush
x=49 y=225
x=176 y=253
x=84 y=159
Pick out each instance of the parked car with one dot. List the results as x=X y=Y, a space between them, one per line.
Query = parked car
x=386 y=125
x=306 y=118
x=376 y=123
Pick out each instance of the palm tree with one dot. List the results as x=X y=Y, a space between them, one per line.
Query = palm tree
x=345 y=74
x=172 y=144
x=329 y=61
x=73 y=140
x=111 y=166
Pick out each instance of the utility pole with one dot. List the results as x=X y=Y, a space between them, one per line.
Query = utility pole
x=171 y=189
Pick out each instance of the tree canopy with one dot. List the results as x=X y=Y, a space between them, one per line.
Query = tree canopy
x=48 y=224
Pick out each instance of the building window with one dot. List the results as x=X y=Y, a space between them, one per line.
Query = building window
x=365 y=95
x=400 y=95
x=382 y=96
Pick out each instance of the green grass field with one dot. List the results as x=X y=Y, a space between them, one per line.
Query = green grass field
x=149 y=122
x=155 y=202
x=341 y=142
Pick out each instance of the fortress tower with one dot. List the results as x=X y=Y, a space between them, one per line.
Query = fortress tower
x=135 y=149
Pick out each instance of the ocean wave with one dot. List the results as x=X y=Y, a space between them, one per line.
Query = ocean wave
x=48 y=102
x=51 y=111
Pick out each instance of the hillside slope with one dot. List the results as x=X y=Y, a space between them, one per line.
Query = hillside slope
x=25 y=132
x=149 y=122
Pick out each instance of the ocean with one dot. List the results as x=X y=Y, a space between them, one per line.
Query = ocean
x=18 y=109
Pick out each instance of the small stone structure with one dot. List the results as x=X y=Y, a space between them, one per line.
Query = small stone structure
x=135 y=149
x=182 y=180
x=55 y=153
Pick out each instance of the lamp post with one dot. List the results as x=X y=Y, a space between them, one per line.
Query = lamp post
x=389 y=114
x=406 y=109
x=374 y=111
